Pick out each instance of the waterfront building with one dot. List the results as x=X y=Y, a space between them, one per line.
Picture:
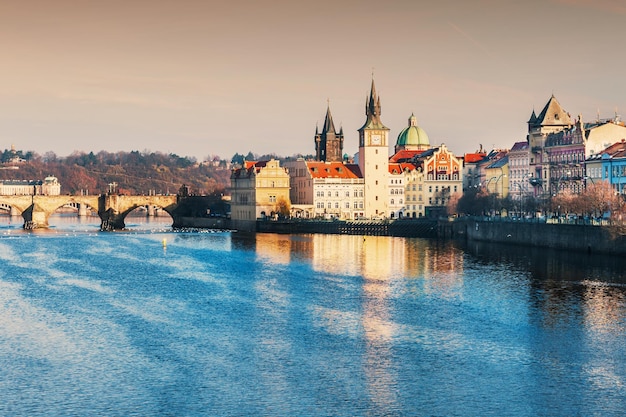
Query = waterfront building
x=519 y=171
x=497 y=175
x=473 y=175
x=566 y=156
x=432 y=177
x=49 y=186
x=609 y=165
x=258 y=190
x=568 y=150
x=326 y=189
x=328 y=142
x=551 y=119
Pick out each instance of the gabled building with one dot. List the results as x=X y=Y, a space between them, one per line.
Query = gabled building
x=258 y=190
x=431 y=179
x=552 y=119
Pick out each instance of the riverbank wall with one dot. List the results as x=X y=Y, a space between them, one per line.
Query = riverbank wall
x=399 y=228
x=574 y=237
x=426 y=228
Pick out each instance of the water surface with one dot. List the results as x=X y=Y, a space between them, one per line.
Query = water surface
x=151 y=322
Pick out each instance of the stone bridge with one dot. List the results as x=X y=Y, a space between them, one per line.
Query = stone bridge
x=112 y=209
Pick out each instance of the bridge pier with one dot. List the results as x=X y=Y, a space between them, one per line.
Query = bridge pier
x=35 y=217
x=151 y=210
x=111 y=220
x=82 y=210
x=15 y=212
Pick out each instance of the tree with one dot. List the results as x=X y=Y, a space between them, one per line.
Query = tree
x=282 y=207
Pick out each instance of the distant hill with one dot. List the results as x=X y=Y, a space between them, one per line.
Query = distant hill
x=122 y=172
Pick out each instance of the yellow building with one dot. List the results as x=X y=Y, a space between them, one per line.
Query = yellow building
x=259 y=190
x=497 y=177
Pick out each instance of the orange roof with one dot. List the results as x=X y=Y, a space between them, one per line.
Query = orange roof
x=404 y=155
x=474 y=157
x=333 y=170
x=396 y=168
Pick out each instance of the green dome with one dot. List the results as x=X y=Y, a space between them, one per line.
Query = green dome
x=413 y=136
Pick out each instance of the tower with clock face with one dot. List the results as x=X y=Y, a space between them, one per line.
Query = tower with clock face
x=374 y=158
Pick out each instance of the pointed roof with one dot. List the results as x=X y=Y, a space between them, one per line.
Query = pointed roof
x=372 y=110
x=553 y=114
x=533 y=118
x=329 y=126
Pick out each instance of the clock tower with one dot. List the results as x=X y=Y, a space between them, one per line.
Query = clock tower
x=374 y=158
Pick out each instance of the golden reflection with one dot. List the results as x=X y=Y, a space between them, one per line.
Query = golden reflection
x=604 y=308
x=274 y=247
x=382 y=265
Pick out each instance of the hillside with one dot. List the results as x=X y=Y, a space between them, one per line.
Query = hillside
x=122 y=172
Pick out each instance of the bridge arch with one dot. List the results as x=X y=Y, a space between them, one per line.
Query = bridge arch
x=117 y=207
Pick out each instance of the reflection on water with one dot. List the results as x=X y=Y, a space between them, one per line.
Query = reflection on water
x=227 y=323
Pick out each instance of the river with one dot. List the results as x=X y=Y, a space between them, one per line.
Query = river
x=152 y=322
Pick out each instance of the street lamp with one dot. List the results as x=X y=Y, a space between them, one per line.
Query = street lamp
x=498 y=179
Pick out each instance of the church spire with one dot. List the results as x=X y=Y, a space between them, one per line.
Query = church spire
x=328 y=143
x=372 y=109
x=329 y=126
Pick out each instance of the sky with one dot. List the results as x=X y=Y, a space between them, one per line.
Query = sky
x=203 y=78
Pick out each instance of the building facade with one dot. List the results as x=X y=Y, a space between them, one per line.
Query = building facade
x=258 y=190
x=552 y=119
x=49 y=186
x=326 y=190
x=519 y=171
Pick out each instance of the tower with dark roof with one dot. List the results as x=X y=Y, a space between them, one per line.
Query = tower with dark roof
x=329 y=143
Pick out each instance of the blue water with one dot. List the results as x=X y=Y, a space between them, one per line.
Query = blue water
x=150 y=322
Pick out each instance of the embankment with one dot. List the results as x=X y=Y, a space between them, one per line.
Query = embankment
x=575 y=237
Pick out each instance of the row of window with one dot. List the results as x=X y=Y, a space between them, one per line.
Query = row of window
x=330 y=204
x=320 y=194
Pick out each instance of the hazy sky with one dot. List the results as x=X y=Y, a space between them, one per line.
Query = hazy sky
x=201 y=78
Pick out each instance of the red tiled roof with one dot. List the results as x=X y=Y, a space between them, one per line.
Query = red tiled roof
x=404 y=155
x=396 y=168
x=474 y=157
x=333 y=170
